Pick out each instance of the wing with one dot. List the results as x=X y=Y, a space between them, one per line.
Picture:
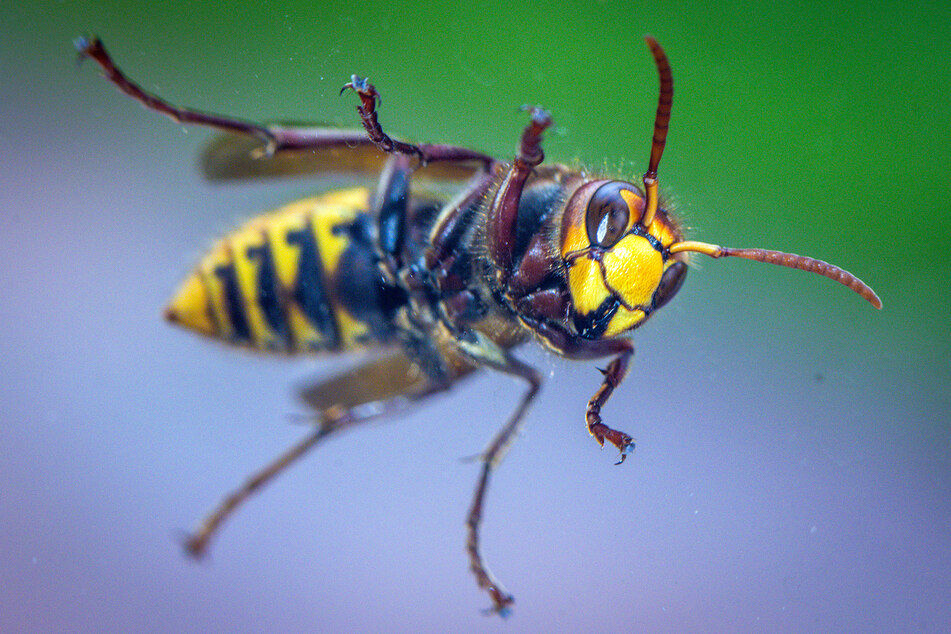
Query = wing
x=390 y=382
x=341 y=155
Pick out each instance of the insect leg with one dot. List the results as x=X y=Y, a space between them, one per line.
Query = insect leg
x=576 y=348
x=487 y=353
x=275 y=137
x=379 y=388
x=503 y=213
x=390 y=208
x=426 y=153
x=613 y=376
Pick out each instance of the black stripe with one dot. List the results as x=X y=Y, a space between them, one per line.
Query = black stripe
x=593 y=325
x=233 y=305
x=310 y=290
x=268 y=291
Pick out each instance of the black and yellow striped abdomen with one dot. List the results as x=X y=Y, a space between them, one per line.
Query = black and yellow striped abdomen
x=299 y=279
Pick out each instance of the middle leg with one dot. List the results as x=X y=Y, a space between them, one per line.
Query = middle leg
x=487 y=353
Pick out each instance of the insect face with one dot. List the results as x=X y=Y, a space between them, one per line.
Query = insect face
x=619 y=270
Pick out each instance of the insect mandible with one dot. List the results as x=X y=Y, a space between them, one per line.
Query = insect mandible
x=442 y=284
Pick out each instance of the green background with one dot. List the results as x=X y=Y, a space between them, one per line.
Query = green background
x=794 y=456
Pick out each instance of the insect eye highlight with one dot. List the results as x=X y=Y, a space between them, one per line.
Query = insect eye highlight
x=607 y=216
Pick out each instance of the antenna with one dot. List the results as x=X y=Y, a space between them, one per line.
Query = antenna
x=789 y=260
x=661 y=124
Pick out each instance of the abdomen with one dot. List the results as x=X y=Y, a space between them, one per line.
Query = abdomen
x=302 y=278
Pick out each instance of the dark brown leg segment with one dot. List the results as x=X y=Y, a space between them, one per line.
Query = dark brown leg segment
x=95 y=50
x=388 y=387
x=613 y=376
x=503 y=213
x=196 y=544
x=491 y=457
x=370 y=98
x=274 y=137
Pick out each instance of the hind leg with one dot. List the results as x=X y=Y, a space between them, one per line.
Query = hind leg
x=378 y=389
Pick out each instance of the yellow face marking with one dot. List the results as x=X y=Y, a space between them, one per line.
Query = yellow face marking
x=586 y=285
x=619 y=264
x=664 y=233
x=631 y=271
x=623 y=321
x=634 y=269
x=576 y=239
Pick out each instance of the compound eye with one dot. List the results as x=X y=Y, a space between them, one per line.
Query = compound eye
x=670 y=283
x=607 y=215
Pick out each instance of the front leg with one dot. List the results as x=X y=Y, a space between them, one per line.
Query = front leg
x=574 y=347
x=613 y=375
x=370 y=99
x=502 y=218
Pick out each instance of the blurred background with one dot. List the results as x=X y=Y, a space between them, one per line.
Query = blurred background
x=794 y=445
